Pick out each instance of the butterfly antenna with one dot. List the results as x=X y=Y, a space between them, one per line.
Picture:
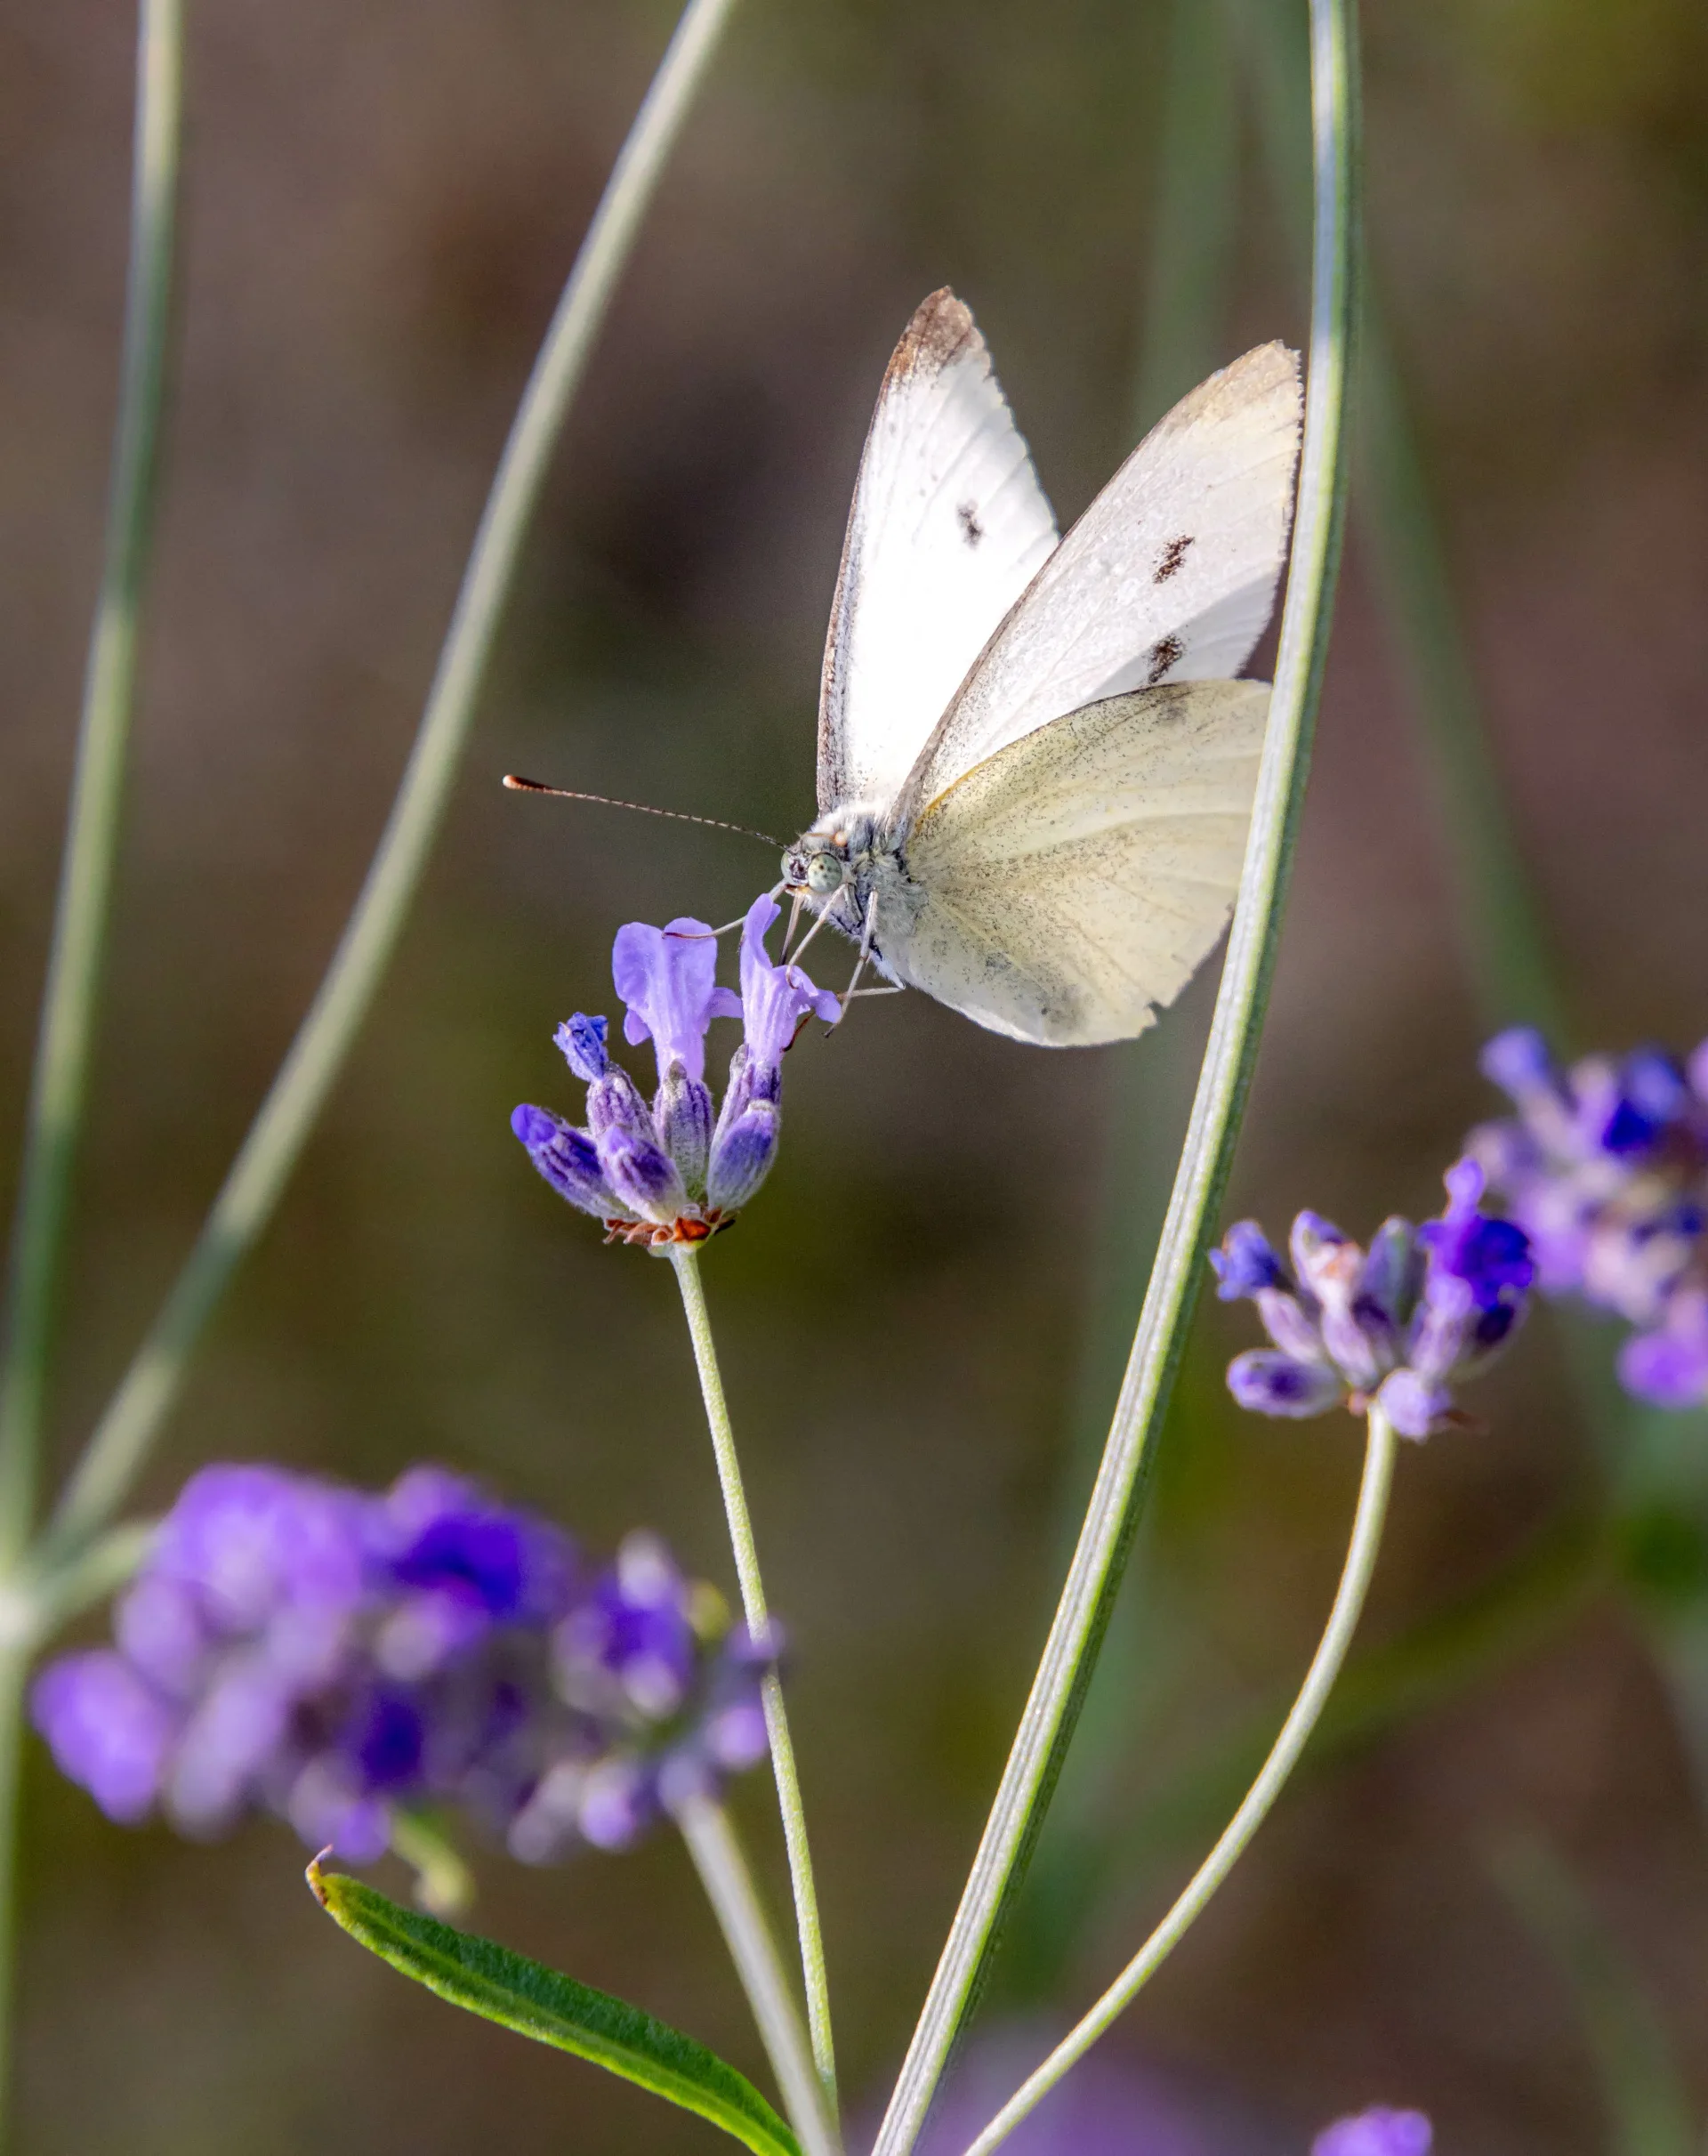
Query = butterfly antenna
x=562 y=792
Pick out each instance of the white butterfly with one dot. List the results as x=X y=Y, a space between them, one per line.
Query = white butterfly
x=1034 y=770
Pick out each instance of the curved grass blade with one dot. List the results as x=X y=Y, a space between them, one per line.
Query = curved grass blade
x=487 y=1979
x=1094 y=1576
x=256 y=1180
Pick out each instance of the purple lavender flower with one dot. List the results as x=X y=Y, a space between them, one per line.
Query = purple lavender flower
x=337 y=1657
x=676 y=1170
x=1397 y=1325
x=668 y=979
x=1605 y=1166
x=1376 y=2133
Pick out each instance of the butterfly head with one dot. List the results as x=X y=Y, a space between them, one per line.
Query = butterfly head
x=817 y=864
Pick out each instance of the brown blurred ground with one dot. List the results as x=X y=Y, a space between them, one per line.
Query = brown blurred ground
x=381 y=202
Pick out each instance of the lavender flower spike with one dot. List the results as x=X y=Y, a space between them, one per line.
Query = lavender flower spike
x=674 y=1172
x=1397 y=1325
x=1379 y=2132
x=340 y=1658
x=1605 y=1166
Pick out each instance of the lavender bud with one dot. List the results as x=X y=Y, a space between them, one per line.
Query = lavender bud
x=619 y=1801
x=568 y=1160
x=1289 y=1326
x=644 y=1175
x=741 y=1156
x=1272 y=1384
x=233 y=1735
x=1246 y=1263
x=1670 y=1366
x=1393 y=1273
x=107 y=1730
x=1326 y=1261
x=614 y=1102
x=1518 y=1063
x=681 y=1112
x=583 y=1043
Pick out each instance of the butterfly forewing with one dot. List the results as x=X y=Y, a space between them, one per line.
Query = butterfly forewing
x=949 y=527
x=1170 y=575
x=1073 y=883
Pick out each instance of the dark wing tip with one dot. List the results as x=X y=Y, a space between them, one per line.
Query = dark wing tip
x=941 y=329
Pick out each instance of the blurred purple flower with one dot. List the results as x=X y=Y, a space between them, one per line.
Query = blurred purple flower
x=1113 y=2107
x=1605 y=1166
x=678 y=1170
x=1109 y=2105
x=1376 y=2133
x=1397 y=1325
x=332 y=1656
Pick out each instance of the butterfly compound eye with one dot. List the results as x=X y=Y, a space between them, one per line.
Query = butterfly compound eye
x=824 y=874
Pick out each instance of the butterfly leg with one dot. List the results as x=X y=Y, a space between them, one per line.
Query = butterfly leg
x=823 y=914
x=865 y=958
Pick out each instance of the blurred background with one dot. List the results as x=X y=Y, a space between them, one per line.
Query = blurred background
x=1496 y=1875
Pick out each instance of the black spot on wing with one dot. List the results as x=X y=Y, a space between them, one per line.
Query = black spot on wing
x=971 y=529
x=1173 y=555
x=1166 y=652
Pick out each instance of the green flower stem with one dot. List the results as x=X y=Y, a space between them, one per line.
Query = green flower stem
x=60 y=1080
x=728 y=1884
x=1070 y=1653
x=1259 y=1800
x=1183 y=318
x=685 y=1257
x=276 y=1139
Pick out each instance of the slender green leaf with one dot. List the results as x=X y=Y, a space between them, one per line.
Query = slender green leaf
x=1094 y=1574
x=490 y=1981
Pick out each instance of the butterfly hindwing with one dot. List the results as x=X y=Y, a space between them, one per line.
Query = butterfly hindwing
x=949 y=527
x=1170 y=575
x=1069 y=886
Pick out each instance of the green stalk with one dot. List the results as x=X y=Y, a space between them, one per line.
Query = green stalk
x=685 y=1258
x=1259 y=1800
x=1182 y=323
x=60 y=1081
x=724 y=1873
x=257 y=1176
x=1070 y=1653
